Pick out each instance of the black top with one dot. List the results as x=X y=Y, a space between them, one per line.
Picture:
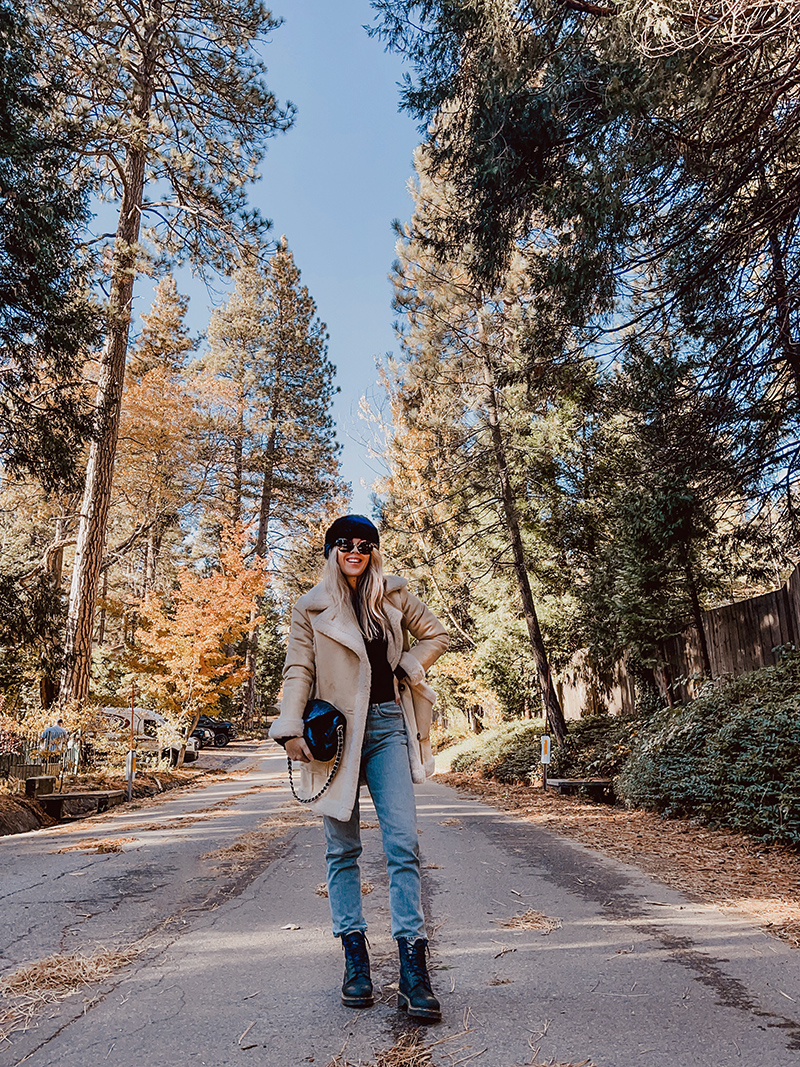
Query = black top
x=381 y=688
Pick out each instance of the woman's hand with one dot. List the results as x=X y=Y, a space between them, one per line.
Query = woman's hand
x=298 y=751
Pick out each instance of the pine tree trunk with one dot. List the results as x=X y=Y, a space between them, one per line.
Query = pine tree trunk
x=555 y=715
x=249 y=693
x=697 y=612
x=108 y=401
x=101 y=635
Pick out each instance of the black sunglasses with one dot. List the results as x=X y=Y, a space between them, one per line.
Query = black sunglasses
x=344 y=544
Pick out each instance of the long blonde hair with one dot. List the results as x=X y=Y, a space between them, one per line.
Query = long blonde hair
x=364 y=604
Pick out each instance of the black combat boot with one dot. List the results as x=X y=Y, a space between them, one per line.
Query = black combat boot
x=357 y=985
x=415 y=995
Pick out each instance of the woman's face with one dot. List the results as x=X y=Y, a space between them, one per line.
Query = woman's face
x=352 y=564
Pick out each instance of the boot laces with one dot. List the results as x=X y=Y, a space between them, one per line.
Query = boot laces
x=415 y=953
x=355 y=950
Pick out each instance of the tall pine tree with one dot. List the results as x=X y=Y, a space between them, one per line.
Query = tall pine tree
x=268 y=349
x=170 y=98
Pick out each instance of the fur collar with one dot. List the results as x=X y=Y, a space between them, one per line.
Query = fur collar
x=344 y=630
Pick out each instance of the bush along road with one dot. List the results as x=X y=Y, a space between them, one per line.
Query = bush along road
x=194 y=929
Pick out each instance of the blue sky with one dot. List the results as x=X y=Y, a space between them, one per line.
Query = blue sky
x=333 y=184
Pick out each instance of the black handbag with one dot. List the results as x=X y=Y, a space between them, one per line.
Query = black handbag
x=323 y=732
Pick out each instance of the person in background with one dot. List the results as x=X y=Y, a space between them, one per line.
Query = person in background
x=53 y=739
x=350 y=645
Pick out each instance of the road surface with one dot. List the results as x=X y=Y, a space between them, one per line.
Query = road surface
x=214 y=896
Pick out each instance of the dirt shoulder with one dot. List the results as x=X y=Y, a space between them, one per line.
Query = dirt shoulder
x=717 y=867
x=19 y=814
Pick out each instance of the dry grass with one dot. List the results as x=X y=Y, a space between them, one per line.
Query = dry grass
x=717 y=867
x=322 y=889
x=450 y=822
x=35 y=985
x=407 y=1051
x=530 y=920
x=250 y=846
x=97 y=844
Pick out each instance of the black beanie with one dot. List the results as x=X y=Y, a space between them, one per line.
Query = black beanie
x=351 y=526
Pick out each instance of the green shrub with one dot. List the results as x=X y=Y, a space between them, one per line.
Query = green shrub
x=730 y=758
x=510 y=754
x=595 y=747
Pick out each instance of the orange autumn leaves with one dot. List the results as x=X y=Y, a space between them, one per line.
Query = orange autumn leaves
x=187 y=647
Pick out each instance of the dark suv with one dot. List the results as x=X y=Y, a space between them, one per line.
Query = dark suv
x=223 y=731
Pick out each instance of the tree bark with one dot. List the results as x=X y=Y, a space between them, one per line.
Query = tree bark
x=108 y=401
x=552 y=705
x=101 y=634
x=265 y=510
x=697 y=613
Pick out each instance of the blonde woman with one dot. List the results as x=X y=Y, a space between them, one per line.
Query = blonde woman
x=350 y=644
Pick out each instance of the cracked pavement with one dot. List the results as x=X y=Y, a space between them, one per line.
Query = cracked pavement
x=237 y=964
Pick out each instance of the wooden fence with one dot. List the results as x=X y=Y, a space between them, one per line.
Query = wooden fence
x=740 y=637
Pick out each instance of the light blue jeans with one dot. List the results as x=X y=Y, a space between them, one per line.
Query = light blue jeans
x=385 y=770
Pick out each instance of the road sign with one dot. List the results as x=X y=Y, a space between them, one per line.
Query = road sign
x=545 y=748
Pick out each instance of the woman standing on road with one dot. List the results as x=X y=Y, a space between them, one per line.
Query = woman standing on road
x=349 y=645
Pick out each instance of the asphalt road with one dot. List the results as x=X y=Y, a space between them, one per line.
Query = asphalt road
x=235 y=962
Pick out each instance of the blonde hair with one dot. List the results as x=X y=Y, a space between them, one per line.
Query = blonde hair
x=364 y=604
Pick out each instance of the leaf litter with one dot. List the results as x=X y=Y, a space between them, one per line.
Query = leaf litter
x=719 y=867
x=97 y=845
x=409 y=1050
x=249 y=846
x=322 y=889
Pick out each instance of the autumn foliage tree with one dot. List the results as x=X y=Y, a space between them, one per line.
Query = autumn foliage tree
x=158 y=433
x=185 y=652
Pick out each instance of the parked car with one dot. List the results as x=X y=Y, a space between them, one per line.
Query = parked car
x=145 y=726
x=204 y=735
x=224 y=731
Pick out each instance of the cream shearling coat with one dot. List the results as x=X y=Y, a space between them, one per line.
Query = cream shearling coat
x=326 y=659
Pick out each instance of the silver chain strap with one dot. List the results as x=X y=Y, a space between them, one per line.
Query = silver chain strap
x=339 y=751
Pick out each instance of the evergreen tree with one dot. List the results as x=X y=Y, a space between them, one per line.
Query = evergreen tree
x=464 y=357
x=280 y=469
x=169 y=98
x=46 y=321
x=640 y=148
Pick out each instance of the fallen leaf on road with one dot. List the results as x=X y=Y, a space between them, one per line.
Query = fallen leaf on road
x=322 y=889
x=97 y=844
x=530 y=920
